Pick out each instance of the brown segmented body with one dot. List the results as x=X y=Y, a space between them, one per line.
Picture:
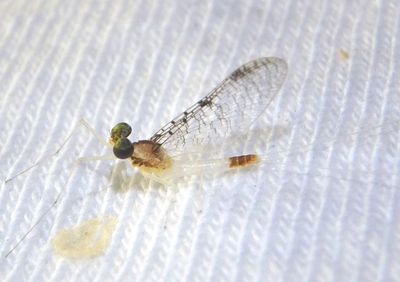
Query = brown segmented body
x=243 y=161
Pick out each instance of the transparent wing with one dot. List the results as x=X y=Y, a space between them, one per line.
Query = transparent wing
x=232 y=106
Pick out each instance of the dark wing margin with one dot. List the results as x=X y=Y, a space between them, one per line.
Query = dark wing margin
x=233 y=105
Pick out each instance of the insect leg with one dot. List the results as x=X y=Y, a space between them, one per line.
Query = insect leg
x=81 y=123
x=84 y=123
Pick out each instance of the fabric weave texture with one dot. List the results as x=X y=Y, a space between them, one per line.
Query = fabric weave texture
x=323 y=206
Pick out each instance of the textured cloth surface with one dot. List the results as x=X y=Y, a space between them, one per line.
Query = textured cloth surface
x=323 y=206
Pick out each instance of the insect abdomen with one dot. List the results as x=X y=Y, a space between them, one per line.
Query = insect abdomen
x=243 y=161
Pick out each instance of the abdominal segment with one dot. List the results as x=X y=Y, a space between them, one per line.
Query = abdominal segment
x=243 y=161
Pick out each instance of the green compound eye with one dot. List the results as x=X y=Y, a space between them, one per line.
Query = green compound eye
x=120 y=130
x=123 y=148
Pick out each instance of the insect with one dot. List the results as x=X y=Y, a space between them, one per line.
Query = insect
x=232 y=106
x=172 y=151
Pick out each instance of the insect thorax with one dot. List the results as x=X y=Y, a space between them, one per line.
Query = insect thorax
x=150 y=156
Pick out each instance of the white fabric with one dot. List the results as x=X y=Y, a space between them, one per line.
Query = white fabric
x=326 y=212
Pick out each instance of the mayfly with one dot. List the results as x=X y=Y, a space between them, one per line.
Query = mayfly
x=170 y=153
x=232 y=106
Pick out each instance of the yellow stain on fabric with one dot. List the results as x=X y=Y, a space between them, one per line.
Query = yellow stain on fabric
x=344 y=55
x=89 y=239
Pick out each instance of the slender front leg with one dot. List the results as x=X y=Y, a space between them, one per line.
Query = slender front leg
x=81 y=123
